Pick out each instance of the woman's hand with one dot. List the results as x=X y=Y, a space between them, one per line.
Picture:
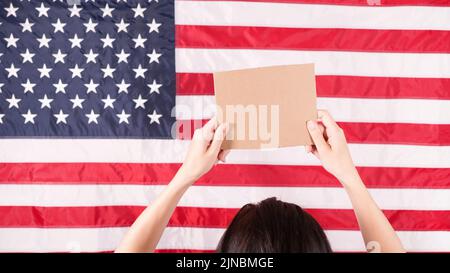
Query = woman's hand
x=204 y=151
x=330 y=146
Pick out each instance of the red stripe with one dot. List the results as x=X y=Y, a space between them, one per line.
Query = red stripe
x=123 y=216
x=327 y=39
x=367 y=133
x=341 y=86
x=351 y=2
x=221 y=175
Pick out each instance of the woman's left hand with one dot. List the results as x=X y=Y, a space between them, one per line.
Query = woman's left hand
x=204 y=151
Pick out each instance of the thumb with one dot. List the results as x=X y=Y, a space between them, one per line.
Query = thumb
x=219 y=136
x=317 y=137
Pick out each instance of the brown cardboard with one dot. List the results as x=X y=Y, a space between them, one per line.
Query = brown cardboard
x=291 y=87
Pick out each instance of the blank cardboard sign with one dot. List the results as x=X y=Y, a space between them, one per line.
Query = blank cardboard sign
x=266 y=107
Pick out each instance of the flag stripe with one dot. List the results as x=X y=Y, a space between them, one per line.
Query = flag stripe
x=212 y=196
x=431 y=65
x=124 y=216
x=341 y=86
x=236 y=13
x=234 y=37
x=221 y=175
x=342 y=109
x=370 y=133
x=105 y=239
x=154 y=151
x=441 y=3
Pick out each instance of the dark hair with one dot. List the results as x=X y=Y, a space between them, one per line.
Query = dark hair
x=273 y=226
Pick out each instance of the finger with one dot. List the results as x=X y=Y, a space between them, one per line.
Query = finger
x=219 y=136
x=327 y=120
x=316 y=153
x=308 y=148
x=223 y=155
x=317 y=137
x=206 y=133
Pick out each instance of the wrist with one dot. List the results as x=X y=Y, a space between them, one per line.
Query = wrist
x=351 y=178
x=183 y=177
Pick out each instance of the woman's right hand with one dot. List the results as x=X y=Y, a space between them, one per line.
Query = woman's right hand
x=330 y=147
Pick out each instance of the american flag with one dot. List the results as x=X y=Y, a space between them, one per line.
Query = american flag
x=89 y=136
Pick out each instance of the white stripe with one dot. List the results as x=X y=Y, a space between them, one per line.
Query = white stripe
x=189 y=60
x=310 y=16
x=343 y=109
x=107 y=239
x=173 y=151
x=215 y=196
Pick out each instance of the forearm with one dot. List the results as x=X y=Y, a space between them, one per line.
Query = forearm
x=146 y=231
x=374 y=225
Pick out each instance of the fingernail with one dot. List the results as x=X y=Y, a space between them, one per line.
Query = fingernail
x=311 y=125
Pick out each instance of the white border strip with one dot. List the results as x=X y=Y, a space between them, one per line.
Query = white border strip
x=430 y=65
x=107 y=239
x=234 y=13
x=419 y=111
x=215 y=196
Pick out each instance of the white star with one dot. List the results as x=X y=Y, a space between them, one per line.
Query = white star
x=12 y=71
x=154 y=26
x=12 y=41
x=29 y=117
x=107 y=11
x=122 y=26
x=58 y=26
x=76 y=42
x=13 y=102
x=108 y=102
x=123 y=87
x=44 y=41
x=154 y=87
x=92 y=117
x=138 y=11
x=28 y=86
x=42 y=10
x=45 y=72
x=139 y=102
x=26 y=26
x=77 y=102
x=76 y=71
x=27 y=56
x=11 y=10
x=154 y=117
x=60 y=87
x=107 y=41
x=123 y=57
x=1 y=118
x=91 y=57
x=139 y=42
x=92 y=87
x=108 y=71
x=154 y=57
x=1 y=85
x=59 y=57
x=90 y=26
x=75 y=11
x=45 y=102
x=123 y=117
x=61 y=117
x=140 y=72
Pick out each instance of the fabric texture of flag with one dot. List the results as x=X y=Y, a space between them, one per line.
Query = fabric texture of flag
x=98 y=100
